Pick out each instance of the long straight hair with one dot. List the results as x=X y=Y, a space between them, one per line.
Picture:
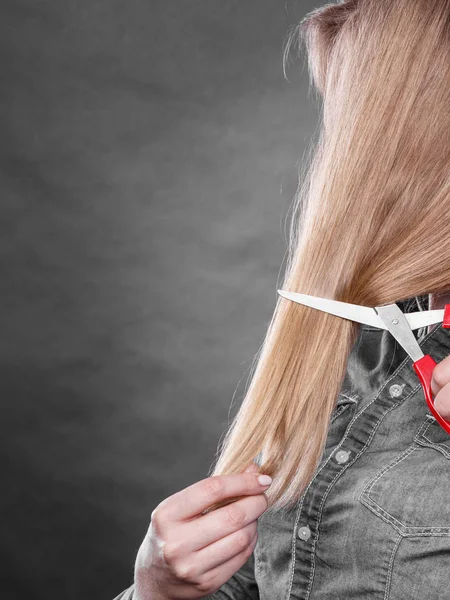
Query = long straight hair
x=371 y=221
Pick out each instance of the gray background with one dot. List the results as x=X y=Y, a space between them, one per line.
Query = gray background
x=149 y=158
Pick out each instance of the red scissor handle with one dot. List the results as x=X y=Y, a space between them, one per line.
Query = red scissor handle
x=424 y=368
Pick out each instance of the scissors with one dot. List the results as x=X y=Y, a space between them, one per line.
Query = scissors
x=400 y=325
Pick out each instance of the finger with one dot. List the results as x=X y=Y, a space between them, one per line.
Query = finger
x=221 y=551
x=440 y=375
x=226 y=569
x=442 y=402
x=215 y=525
x=193 y=500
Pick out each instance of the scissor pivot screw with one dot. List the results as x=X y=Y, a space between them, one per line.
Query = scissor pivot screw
x=395 y=321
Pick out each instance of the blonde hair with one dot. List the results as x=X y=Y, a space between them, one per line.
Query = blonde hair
x=371 y=222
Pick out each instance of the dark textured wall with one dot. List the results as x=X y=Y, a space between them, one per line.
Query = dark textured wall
x=148 y=162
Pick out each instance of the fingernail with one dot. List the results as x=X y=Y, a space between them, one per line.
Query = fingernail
x=265 y=479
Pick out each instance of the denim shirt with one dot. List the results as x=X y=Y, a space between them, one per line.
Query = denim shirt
x=374 y=521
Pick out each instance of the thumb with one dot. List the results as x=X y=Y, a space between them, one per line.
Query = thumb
x=253 y=467
x=440 y=376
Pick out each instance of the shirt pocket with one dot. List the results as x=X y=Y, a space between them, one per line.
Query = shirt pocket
x=412 y=491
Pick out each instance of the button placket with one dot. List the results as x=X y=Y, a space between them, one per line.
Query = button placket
x=312 y=502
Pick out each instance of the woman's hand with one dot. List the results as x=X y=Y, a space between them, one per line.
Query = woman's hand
x=440 y=386
x=188 y=554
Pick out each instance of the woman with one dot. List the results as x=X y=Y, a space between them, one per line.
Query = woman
x=334 y=412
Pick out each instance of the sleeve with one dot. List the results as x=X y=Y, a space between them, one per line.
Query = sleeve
x=126 y=595
x=241 y=586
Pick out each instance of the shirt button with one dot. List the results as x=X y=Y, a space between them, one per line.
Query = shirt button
x=395 y=390
x=342 y=456
x=304 y=532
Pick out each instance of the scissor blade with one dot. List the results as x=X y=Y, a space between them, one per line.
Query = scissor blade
x=363 y=314
x=353 y=312
x=419 y=319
